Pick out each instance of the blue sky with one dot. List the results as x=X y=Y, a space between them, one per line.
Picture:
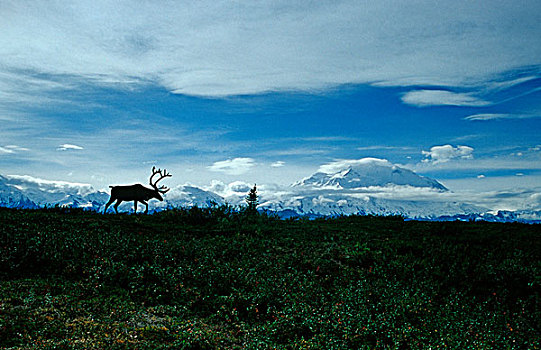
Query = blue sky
x=99 y=92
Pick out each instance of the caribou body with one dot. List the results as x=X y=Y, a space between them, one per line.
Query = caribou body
x=138 y=193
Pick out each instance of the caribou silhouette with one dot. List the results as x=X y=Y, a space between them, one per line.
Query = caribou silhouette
x=138 y=192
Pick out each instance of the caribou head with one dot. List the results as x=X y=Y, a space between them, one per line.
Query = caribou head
x=138 y=192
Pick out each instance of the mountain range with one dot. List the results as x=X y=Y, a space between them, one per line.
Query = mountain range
x=367 y=186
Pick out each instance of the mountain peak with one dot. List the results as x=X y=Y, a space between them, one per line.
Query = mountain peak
x=366 y=172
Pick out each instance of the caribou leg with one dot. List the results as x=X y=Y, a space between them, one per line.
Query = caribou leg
x=135 y=207
x=118 y=201
x=145 y=203
x=108 y=204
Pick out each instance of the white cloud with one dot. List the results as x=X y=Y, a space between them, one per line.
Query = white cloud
x=502 y=85
x=423 y=98
x=299 y=151
x=26 y=181
x=10 y=149
x=217 y=186
x=503 y=162
x=508 y=199
x=235 y=188
x=16 y=148
x=336 y=166
x=236 y=166
x=6 y=150
x=67 y=146
x=278 y=164
x=445 y=153
x=326 y=139
x=386 y=148
x=535 y=200
x=218 y=48
x=495 y=116
x=487 y=116
x=239 y=186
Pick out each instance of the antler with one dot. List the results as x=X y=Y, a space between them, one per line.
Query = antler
x=161 y=189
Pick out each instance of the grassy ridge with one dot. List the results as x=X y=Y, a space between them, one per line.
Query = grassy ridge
x=202 y=278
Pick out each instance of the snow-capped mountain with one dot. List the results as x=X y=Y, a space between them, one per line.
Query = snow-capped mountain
x=11 y=196
x=367 y=186
x=187 y=196
x=529 y=216
x=366 y=172
x=50 y=193
x=332 y=204
x=29 y=192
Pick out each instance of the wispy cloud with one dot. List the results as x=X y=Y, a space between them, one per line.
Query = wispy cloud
x=457 y=169
x=445 y=153
x=236 y=188
x=506 y=84
x=235 y=166
x=269 y=46
x=299 y=151
x=6 y=150
x=67 y=146
x=58 y=56
x=496 y=116
x=385 y=148
x=342 y=164
x=467 y=138
x=278 y=164
x=10 y=149
x=49 y=184
x=423 y=98
x=326 y=139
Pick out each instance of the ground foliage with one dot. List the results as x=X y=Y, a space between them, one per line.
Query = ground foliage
x=217 y=278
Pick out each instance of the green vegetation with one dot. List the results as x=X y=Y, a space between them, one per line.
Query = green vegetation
x=214 y=278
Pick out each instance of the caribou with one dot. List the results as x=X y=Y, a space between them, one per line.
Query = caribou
x=138 y=192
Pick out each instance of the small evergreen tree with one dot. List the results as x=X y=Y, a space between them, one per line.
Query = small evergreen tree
x=252 y=199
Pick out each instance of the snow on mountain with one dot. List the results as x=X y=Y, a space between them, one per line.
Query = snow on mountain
x=189 y=196
x=366 y=172
x=30 y=192
x=367 y=186
x=11 y=196
x=338 y=202
x=45 y=192
x=529 y=216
